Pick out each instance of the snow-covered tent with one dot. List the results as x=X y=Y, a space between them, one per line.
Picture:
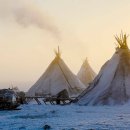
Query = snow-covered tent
x=112 y=84
x=57 y=79
x=86 y=73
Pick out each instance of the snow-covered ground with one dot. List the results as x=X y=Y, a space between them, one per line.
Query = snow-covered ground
x=72 y=117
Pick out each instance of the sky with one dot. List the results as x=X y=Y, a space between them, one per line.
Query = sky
x=31 y=30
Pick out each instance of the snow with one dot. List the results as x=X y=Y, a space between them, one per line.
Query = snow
x=71 y=117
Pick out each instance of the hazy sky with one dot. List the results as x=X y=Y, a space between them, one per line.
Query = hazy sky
x=30 y=30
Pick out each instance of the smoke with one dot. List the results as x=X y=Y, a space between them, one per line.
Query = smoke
x=27 y=13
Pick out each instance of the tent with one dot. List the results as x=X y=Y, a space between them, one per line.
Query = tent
x=86 y=73
x=56 y=79
x=112 y=85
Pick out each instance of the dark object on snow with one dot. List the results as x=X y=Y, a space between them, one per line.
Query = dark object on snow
x=8 y=99
x=46 y=127
x=21 y=95
x=61 y=95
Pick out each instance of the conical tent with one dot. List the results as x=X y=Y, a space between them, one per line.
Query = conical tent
x=56 y=79
x=112 y=84
x=86 y=73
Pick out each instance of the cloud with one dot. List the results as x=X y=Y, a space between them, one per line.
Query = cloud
x=27 y=13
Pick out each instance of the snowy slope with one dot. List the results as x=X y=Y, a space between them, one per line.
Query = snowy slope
x=34 y=117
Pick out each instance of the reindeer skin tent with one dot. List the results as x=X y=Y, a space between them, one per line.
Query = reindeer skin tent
x=112 y=84
x=86 y=73
x=55 y=79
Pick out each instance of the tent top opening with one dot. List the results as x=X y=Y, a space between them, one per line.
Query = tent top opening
x=58 y=52
x=122 y=41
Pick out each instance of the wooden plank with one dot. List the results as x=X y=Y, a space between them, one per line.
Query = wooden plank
x=39 y=103
x=51 y=100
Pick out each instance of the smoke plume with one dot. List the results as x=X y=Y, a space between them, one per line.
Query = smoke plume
x=27 y=13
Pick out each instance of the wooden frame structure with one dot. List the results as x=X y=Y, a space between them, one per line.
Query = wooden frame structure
x=51 y=100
